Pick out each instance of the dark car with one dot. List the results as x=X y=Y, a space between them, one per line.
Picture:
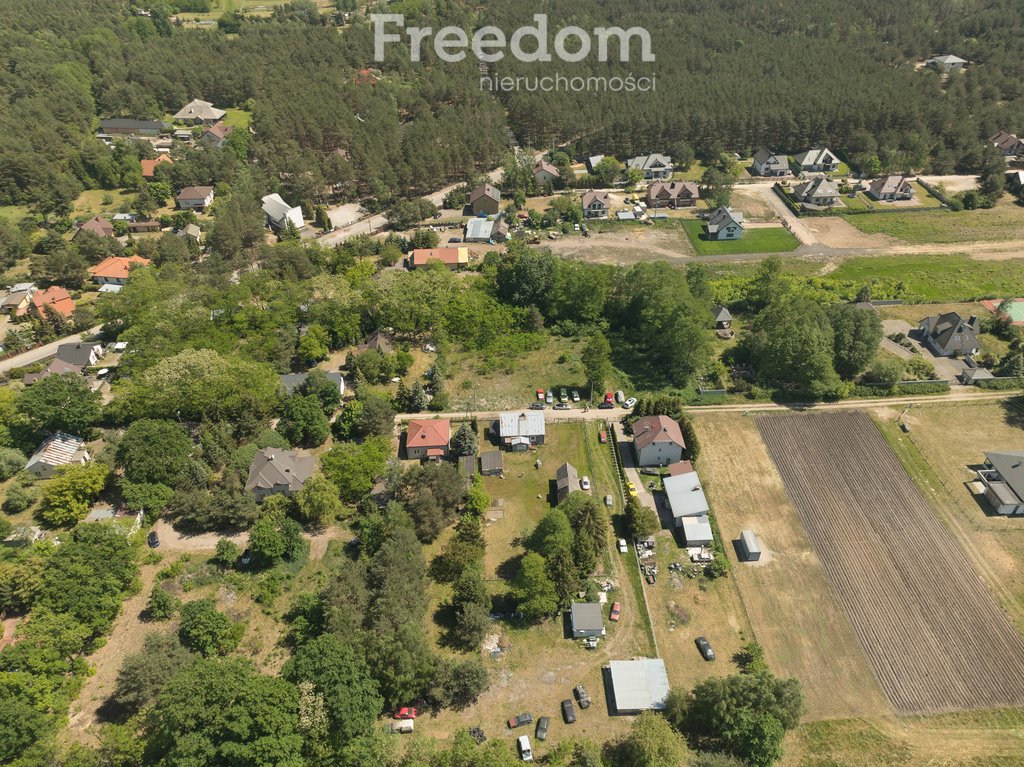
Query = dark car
x=519 y=721
x=605 y=406
x=537 y=406
x=581 y=696
x=705 y=648
x=542 y=728
x=153 y=539
x=247 y=556
x=568 y=711
x=563 y=406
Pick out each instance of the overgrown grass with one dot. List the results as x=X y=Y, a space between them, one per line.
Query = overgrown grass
x=1004 y=222
x=954 y=277
x=767 y=240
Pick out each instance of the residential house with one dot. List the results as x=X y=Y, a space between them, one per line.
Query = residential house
x=195 y=197
x=518 y=431
x=184 y=135
x=722 y=318
x=672 y=194
x=586 y=620
x=453 y=258
x=950 y=335
x=819 y=192
x=427 y=439
x=768 y=163
x=818 y=160
x=217 y=134
x=971 y=376
x=122 y=127
x=689 y=507
x=98 y=226
x=274 y=470
x=54 y=299
x=595 y=204
x=657 y=441
x=278 y=214
x=379 y=340
x=486 y=230
x=199 y=112
x=492 y=463
x=190 y=232
x=18 y=300
x=113 y=270
x=1008 y=144
x=545 y=173
x=1003 y=479
x=653 y=166
x=292 y=381
x=149 y=166
x=81 y=354
x=1015 y=180
x=567 y=480
x=593 y=162
x=57 y=450
x=890 y=188
x=55 y=368
x=143 y=227
x=485 y=199
x=724 y=224
x=946 y=63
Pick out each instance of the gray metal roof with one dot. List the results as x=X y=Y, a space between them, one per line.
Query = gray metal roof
x=685 y=495
x=1010 y=466
x=721 y=314
x=639 y=685
x=586 y=616
x=750 y=542
x=817 y=156
x=58 y=449
x=273 y=467
x=529 y=423
x=292 y=381
x=491 y=461
x=697 y=530
x=723 y=217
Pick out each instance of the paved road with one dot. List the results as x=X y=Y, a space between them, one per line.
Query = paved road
x=42 y=352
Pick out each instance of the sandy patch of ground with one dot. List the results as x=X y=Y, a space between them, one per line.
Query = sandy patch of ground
x=753 y=205
x=625 y=247
x=837 y=232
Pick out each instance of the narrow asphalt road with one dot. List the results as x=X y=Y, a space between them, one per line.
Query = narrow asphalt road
x=42 y=352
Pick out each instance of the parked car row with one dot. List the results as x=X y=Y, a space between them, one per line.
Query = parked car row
x=541 y=733
x=547 y=397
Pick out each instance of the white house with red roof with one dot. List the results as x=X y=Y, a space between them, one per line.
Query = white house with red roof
x=428 y=439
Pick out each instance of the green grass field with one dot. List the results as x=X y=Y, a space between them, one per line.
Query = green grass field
x=1004 y=222
x=769 y=240
x=936 y=279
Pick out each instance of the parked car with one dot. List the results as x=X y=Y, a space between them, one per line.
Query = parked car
x=609 y=397
x=609 y=501
x=247 y=556
x=568 y=711
x=540 y=394
x=705 y=648
x=549 y=398
x=616 y=612
x=623 y=548
x=519 y=721
x=575 y=396
x=581 y=696
x=606 y=406
x=602 y=437
x=585 y=483
x=619 y=396
x=631 y=489
x=406 y=712
x=542 y=728
x=631 y=402
x=537 y=406
x=563 y=395
x=563 y=406
x=454 y=239
x=525 y=752
x=153 y=539
x=402 y=726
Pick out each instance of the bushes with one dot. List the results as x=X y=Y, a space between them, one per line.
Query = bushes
x=1002 y=384
x=208 y=631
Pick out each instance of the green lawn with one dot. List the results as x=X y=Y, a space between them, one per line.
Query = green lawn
x=936 y=279
x=1004 y=222
x=238 y=119
x=13 y=212
x=693 y=174
x=767 y=240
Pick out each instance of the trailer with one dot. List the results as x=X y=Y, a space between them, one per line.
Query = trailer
x=750 y=547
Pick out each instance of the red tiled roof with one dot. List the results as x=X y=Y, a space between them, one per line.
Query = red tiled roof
x=55 y=299
x=449 y=256
x=149 y=166
x=117 y=267
x=656 y=428
x=680 y=467
x=433 y=433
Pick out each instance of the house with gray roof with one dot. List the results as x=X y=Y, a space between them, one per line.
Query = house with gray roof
x=290 y=382
x=769 y=163
x=1003 y=479
x=950 y=335
x=672 y=194
x=278 y=214
x=724 y=224
x=817 y=160
x=685 y=496
x=486 y=230
x=57 y=450
x=122 y=127
x=274 y=470
x=586 y=620
x=567 y=480
x=946 y=63
x=722 y=318
x=485 y=199
x=653 y=166
x=595 y=204
x=518 y=431
x=492 y=463
x=890 y=189
x=818 y=192
x=198 y=112
x=82 y=354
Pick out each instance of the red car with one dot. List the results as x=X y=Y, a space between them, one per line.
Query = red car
x=540 y=394
x=609 y=398
x=602 y=436
x=407 y=712
x=616 y=609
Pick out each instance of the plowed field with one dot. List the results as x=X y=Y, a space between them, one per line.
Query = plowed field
x=933 y=634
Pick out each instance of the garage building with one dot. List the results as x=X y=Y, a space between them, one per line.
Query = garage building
x=637 y=685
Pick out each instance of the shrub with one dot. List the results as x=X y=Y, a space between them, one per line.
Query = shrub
x=162 y=604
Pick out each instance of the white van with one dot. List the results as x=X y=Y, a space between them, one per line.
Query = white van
x=525 y=752
x=403 y=726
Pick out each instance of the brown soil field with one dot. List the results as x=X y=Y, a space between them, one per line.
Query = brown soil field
x=933 y=634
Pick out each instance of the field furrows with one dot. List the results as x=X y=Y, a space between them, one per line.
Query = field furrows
x=933 y=633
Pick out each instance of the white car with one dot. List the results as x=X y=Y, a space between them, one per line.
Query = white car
x=629 y=403
x=585 y=483
x=525 y=752
x=622 y=546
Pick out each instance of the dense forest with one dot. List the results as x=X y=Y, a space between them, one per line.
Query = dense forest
x=729 y=75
